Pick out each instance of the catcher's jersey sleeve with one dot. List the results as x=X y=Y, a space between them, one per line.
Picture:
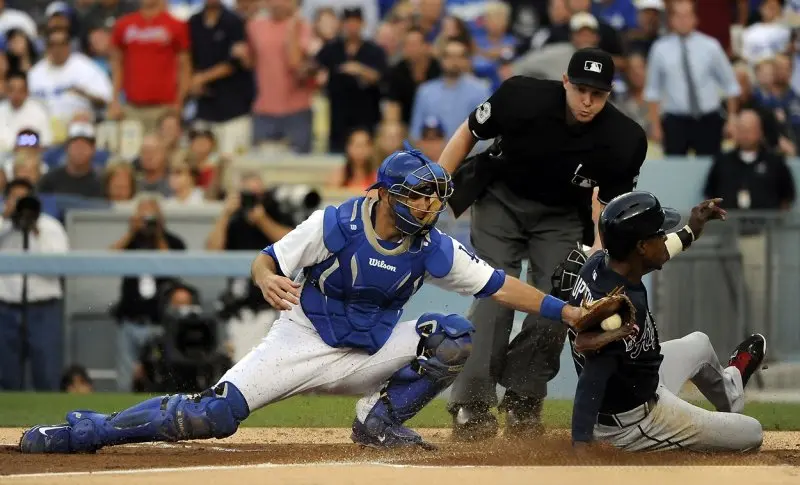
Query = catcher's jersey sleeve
x=469 y=275
x=302 y=247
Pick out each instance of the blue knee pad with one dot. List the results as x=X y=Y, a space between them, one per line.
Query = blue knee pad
x=213 y=413
x=445 y=343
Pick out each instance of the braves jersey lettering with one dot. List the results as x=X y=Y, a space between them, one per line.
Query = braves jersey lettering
x=153 y=35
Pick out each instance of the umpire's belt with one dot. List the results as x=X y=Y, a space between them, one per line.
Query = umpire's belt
x=628 y=418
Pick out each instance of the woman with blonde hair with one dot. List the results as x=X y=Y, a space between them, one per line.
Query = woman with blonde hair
x=119 y=181
x=359 y=171
x=183 y=182
x=390 y=138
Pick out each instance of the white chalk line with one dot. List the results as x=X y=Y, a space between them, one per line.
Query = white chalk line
x=139 y=471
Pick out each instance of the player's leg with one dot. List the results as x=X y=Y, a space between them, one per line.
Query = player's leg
x=694 y=358
x=534 y=356
x=496 y=237
x=676 y=424
x=288 y=361
x=419 y=361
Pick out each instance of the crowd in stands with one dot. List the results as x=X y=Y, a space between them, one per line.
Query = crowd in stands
x=153 y=101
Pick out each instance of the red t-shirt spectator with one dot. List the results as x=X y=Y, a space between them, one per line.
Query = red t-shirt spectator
x=150 y=48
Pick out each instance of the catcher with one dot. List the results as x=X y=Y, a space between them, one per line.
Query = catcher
x=340 y=331
x=628 y=380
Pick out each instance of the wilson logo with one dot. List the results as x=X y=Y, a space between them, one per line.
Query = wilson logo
x=379 y=263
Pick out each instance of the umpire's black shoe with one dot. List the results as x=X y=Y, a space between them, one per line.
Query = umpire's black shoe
x=523 y=416
x=473 y=423
x=749 y=355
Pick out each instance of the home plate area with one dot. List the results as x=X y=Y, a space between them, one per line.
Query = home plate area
x=306 y=456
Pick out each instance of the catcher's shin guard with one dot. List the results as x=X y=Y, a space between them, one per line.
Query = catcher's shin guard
x=445 y=344
x=213 y=413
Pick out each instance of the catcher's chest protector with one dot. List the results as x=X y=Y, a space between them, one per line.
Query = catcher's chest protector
x=356 y=296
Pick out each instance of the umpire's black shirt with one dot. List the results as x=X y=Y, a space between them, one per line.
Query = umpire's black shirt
x=623 y=374
x=548 y=160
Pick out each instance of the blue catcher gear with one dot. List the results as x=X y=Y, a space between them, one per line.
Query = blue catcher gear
x=409 y=175
x=445 y=343
x=213 y=413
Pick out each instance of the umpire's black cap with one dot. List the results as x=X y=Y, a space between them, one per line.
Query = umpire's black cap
x=633 y=217
x=591 y=67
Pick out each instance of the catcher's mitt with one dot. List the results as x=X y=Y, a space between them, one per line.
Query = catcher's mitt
x=595 y=312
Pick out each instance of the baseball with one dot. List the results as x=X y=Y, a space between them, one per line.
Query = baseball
x=611 y=323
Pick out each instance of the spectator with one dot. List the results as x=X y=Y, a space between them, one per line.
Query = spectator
x=387 y=39
x=222 y=82
x=182 y=182
x=44 y=330
x=119 y=182
x=203 y=157
x=59 y=16
x=750 y=178
x=284 y=84
x=453 y=96
x=76 y=176
x=171 y=133
x=103 y=14
x=326 y=28
x=359 y=171
x=137 y=309
x=494 y=42
x=559 y=14
x=28 y=144
x=20 y=51
x=368 y=9
x=402 y=17
x=28 y=168
x=632 y=101
x=353 y=67
x=686 y=71
x=768 y=37
x=152 y=164
x=248 y=9
x=68 y=82
x=418 y=66
x=610 y=39
x=18 y=111
x=16 y=19
x=76 y=380
x=527 y=17
x=150 y=63
x=247 y=223
x=389 y=140
x=776 y=134
x=552 y=60
x=98 y=48
x=640 y=39
x=430 y=14
x=453 y=28
x=620 y=14
x=785 y=98
x=432 y=141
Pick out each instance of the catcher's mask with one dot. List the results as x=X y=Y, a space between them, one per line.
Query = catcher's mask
x=633 y=217
x=409 y=175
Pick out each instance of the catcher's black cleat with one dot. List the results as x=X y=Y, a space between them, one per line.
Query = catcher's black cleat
x=748 y=356
x=473 y=424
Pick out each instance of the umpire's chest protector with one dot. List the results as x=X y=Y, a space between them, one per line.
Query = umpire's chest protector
x=355 y=297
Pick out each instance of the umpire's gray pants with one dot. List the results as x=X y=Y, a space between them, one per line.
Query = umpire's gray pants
x=505 y=230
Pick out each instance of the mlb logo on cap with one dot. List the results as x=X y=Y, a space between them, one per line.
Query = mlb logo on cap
x=593 y=66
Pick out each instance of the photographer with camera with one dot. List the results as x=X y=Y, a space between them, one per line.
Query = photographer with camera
x=187 y=357
x=250 y=220
x=137 y=310
x=30 y=305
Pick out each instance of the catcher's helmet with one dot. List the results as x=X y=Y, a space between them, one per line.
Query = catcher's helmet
x=633 y=217
x=408 y=174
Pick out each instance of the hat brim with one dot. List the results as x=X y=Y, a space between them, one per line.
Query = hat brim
x=671 y=219
x=595 y=83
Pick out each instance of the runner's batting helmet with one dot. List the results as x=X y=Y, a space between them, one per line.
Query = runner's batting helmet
x=633 y=217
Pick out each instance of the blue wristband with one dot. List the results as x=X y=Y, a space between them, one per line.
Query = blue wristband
x=551 y=308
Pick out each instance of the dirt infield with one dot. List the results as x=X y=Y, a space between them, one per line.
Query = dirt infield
x=317 y=456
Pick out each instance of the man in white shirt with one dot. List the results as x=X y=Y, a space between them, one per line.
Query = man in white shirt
x=16 y=19
x=68 y=82
x=767 y=38
x=43 y=339
x=19 y=112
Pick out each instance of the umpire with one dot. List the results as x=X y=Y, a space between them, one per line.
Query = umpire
x=531 y=194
